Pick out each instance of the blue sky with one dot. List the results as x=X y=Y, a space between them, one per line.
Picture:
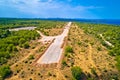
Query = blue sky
x=88 y=9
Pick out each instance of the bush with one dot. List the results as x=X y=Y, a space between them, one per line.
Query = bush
x=99 y=48
x=22 y=41
x=79 y=43
x=69 y=49
x=3 y=60
x=118 y=62
x=26 y=45
x=114 y=77
x=31 y=57
x=64 y=63
x=49 y=74
x=76 y=72
x=4 y=71
x=67 y=55
x=93 y=71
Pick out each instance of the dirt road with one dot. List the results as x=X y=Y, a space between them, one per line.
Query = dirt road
x=22 y=28
x=107 y=42
x=54 y=52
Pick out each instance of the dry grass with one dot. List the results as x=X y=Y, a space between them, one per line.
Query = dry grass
x=53 y=31
x=22 y=66
x=88 y=54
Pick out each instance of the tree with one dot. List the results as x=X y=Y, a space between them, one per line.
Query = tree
x=22 y=40
x=26 y=45
x=76 y=72
x=10 y=47
x=2 y=60
x=4 y=71
x=69 y=49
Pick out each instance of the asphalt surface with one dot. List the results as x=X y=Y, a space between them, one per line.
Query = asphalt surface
x=54 y=52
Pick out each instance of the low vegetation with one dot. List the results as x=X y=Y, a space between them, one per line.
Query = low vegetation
x=69 y=49
x=19 y=49
x=89 y=52
x=76 y=72
x=8 y=45
x=110 y=32
x=86 y=55
x=4 y=72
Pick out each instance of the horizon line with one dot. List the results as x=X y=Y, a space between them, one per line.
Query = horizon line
x=59 y=18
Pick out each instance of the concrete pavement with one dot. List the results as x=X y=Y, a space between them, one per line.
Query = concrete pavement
x=54 y=52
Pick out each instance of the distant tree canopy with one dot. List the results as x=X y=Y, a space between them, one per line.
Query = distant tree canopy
x=6 y=23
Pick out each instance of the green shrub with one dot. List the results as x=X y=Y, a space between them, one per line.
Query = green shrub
x=26 y=45
x=69 y=49
x=4 y=71
x=64 y=63
x=118 y=62
x=93 y=71
x=76 y=72
x=3 y=60
x=99 y=48
x=67 y=55
x=49 y=74
x=79 y=43
x=114 y=77
x=31 y=57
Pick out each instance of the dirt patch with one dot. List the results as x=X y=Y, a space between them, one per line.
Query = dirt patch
x=52 y=32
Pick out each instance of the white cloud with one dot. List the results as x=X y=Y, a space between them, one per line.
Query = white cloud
x=50 y=8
